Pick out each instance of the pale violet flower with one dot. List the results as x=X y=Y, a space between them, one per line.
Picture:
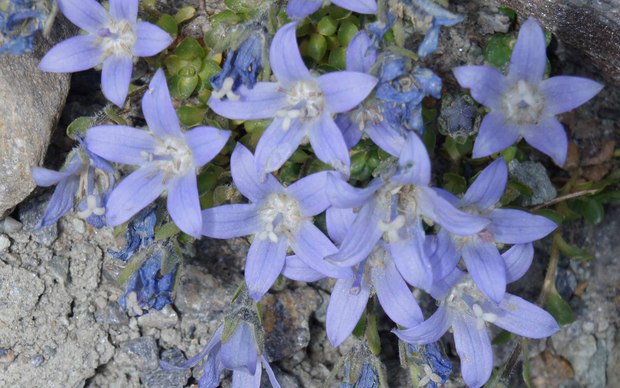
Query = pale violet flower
x=167 y=156
x=113 y=39
x=302 y=8
x=301 y=105
x=522 y=104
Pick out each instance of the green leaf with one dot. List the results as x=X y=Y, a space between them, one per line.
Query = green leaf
x=184 y=14
x=167 y=23
x=454 y=183
x=590 y=209
x=317 y=47
x=346 y=32
x=550 y=214
x=503 y=337
x=338 y=58
x=572 y=251
x=166 y=231
x=191 y=115
x=558 y=307
x=189 y=48
x=498 y=50
x=338 y=13
x=79 y=126
x=327 y=26
x=525 y=373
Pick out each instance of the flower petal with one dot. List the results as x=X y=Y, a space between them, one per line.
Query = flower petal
x=339 y=222
x=488 y=188
x=495 y=134
x=285 y=58
x=441 y=253
x=239 y=351
x=350 y=130
x=486 y=266
x=150 y=40
x=486 y=84
x=386 y=137
x=263 y=101
x=342 y=195
x=428 y=331
x=302 y=8
x=529 y=55
x=394 y=295
x=412 y=261
x=264 y=264
x=270 y=374
x=441 y=287
x=312 y=246
x=310 y=193
x=89 y=15
x=241 y=379
x=474 y=349
x=548 y=137
x=297 y=269
x=120 y=144
x=247 y=180
x=133 y=193
x=61 y=201
x=518 y=260
x=414 y=162
x=115 y=78
x=360 y=56
x=228 y=221
x=510 y=226
x=184 y=205
x=74 y=54
x=328 y=143
x=564 y=93
x=159 y=113
x=205 y=143
x=44 y=177
x=124 y=9
x=440 y=211
x=522 y=317
x=344 y=90
x=359 y=6
x=346 y=305
x=276 y=145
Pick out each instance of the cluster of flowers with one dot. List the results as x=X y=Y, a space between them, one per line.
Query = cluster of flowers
x=379 y=236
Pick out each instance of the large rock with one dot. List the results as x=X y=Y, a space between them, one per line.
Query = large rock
x=31 y=105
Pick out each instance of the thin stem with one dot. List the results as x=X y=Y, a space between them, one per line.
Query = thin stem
x=565 y=197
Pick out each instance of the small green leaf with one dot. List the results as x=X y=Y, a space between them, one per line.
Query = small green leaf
x=166 y=231
x=184 y=84
x=454 y=183
x=558 y=307
x=338 y=13
x=550 y=214
x=167 y=23
x=572 y=251
x=326 y=26
x=225 y=17
x=184 y=14
x=503 y=337
x=346 y=32
x=191 y=115
x=498 y=50
x=189 y=48
x=317 y=46
x=79 y=126
x=590 y=209
x=338 y=58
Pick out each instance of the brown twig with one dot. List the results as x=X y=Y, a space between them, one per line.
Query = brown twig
x=565 y=197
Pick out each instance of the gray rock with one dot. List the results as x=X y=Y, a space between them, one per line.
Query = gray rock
x=31 y=213
x=161 y=378
x=140 y=352
x=112 y=314
x=31 y=105
x=20 y=292
x=5 y=243
x=163 y=319
x=534 y=175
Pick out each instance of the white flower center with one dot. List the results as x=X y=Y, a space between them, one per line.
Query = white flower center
x=279 y=214
x=305 y=101
x=523 y=103
x=118 y=38
x=429 y=376
x=226 y=90
x=463 y=298
x=366 y=113
x=172 y=156
x=91 y=208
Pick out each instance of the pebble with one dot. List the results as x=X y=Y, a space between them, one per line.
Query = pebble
x=161 y=378
x=141 y=352
x=5 y=243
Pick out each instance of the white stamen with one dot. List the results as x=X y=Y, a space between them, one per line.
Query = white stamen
x=226 y=90
x=482 y=317
x=172 y=155
x=523 y=103
x=91 y=208
x=279 y=214
x=117 y=38
x=391 y=228
x=429 y=376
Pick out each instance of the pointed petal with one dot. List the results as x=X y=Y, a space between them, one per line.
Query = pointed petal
x=441 y=253
x=45 y=177
x=522 y=318
x=495 y=134
x=359 y=6
x=414 y=162
x=133 y=193
x=339 y=222
x=428 y=331
x=486 y=84
x=328 y=143
x=205 y=143
x=74 y=54
x=564 y=93
x=486 y=266
x=213 y=344
x=241 y=379
x=350 y=130
x=124 y=9
x=150 y=40
x=474 y=348
x=310 y=193
x=184 y=205
x=276 y=145
x=344 y=90
x=529 y=56
x=247 y=180
x=159 y=113
x=386 y=137
x=239 y=351
x=518 y=260
x=412 y=261
x=302 y=8
x=548 y=137
x=296 y=269
x=394 y=295
x=441 y=287
x=115 y=78
x=453 y=220
x=263 y=101
x=361 y=56
x=362 y=237
x=488 y=188
x=511 y=226
x=89 y=15
x=312 y=246
x=264 y=264
x=346 y=305
x=270 y=374
x=61 y=201
x=344 y=196
x=285 y=58
x=229 y=221
x=120 y=144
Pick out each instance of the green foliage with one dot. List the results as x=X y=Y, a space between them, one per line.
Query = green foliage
x=79 y=126
x=558 y=307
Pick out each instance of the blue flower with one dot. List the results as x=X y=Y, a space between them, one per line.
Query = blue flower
x=522 y=104
x=85 y=177
x=301 y=8
x=301 y=105
x=140 y=234
x=278 y=217
x=20 y=20
x=167 y=156
x=113 y=38
x=437 y=368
